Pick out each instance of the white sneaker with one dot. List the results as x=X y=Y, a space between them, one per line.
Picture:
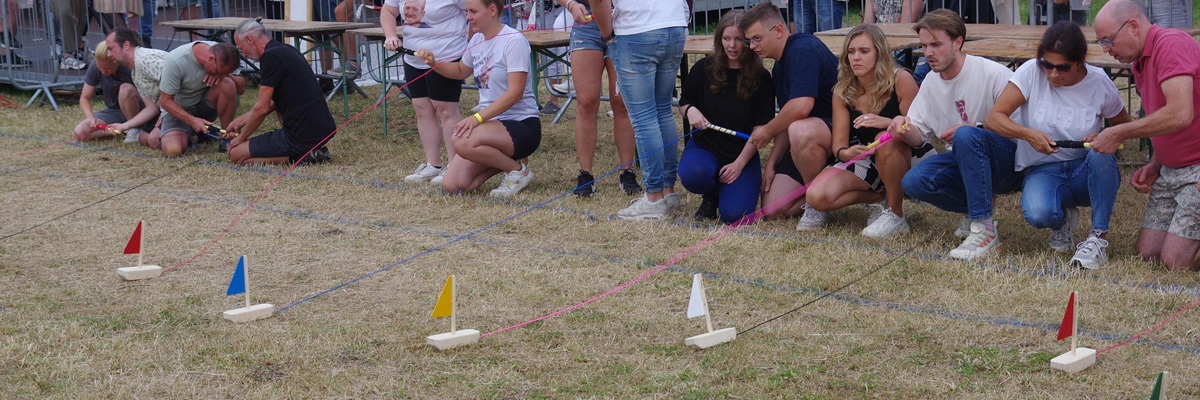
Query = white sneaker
x=437 y=180
x=980 y=243
x=811 y=220
x=424 y=172
x=964 y=228
x=874 y=210
x=673 y=202
x=887 y=225
x=71 y=63
x=1090 y=253
x=564 y=87
x=132 y=135
x=642 y=209
x=513 y=182
x=1063 y=238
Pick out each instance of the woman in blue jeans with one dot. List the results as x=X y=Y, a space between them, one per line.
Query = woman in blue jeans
x=647 y=51
x=1058 y=97
x=730 y=89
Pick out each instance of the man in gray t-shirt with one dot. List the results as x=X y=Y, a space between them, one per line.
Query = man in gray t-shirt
x=196 y=88
x=121 y=100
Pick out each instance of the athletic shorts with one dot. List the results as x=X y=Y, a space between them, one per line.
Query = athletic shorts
x=434 y=85
x=275 y=144
x=526 y=135
x=788 y=167
x=201 y=110
x=1174 y=204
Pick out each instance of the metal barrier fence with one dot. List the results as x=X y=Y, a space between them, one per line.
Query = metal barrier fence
x=29 y=59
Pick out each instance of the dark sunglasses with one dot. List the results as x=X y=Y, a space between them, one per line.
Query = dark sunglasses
x=1062 y=68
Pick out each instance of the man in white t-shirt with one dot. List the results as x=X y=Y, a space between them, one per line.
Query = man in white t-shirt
x=952 y=104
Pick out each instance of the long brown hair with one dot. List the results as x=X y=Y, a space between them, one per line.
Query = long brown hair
x=750 y=63
x=848 y=88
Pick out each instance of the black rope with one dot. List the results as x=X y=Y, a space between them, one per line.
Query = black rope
x=834 y=291
x=101 y=200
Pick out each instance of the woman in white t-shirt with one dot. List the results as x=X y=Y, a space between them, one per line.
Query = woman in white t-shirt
x=507 y=127
x=441 y=27
x=1049 y=101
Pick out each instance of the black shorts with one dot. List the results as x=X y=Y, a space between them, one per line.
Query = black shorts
x=275 y=144
x=788 y=167
x=526 y=135
x=434 y=85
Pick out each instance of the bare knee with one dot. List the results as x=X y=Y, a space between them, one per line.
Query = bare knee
x=1178 y=261
x=127 y=93
x=448 y=114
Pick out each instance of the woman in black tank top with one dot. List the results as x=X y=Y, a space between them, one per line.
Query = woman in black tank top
x=870 y=92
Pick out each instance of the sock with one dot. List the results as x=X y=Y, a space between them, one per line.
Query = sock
x=988 y=223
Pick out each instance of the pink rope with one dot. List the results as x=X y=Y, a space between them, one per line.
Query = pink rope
x=1162 y=323
x=701 y=245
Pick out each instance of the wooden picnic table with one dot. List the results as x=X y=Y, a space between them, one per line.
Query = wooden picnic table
x=1015 y=51
x=288 y=28
x=981 y=31
x=320 y=34
x=703 y=44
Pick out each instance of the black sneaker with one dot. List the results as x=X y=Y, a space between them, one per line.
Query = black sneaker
x=14 y=60
x=585 y=185
x=629 y=182
x=10 y=40
x=223 y=145
x=317 y=156
x=549 y=109
x=708 y=208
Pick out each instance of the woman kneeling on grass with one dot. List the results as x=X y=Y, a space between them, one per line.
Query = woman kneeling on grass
x=507 y=127
x=870 y=92
x=1059 y=97
x=730 y=89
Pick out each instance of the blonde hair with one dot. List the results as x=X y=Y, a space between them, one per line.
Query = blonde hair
x=849 y=89
x=102 y=52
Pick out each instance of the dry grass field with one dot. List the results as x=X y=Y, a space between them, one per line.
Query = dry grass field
x=921 y=327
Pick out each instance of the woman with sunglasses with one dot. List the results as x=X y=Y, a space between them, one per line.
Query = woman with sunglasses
x=1058 y=97
x=507 y=127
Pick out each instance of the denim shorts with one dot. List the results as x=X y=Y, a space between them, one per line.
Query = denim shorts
x=587 y=37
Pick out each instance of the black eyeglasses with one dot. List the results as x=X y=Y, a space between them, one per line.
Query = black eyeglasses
x=1062 y=68
x=1108 y=42
x=757 y=40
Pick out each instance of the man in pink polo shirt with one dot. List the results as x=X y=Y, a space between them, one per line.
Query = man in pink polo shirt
x=1166 y=67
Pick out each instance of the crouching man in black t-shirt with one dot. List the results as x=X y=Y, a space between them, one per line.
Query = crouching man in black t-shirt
x=289 y=87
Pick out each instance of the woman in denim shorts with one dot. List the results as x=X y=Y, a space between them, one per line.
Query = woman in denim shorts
x=588 y=62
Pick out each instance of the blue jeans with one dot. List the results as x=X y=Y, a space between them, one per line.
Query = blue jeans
x=210 y=8
x=699 y=171
x=921 y=70
x=149 y=9
x=818 y=15
x=965 y=179
x=647 y=63
x=1090 y=181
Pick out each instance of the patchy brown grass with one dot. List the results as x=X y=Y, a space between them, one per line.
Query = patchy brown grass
x=922 y=327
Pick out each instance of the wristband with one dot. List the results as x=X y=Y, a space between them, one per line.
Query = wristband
x=478 y=118
x=838 y=153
